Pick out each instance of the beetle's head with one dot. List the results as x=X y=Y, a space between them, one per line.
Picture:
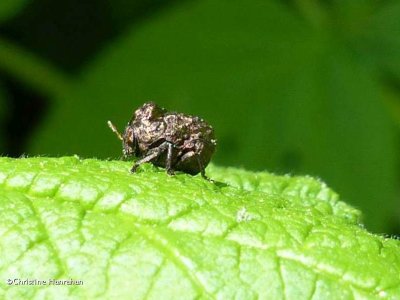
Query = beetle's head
x=129 y=143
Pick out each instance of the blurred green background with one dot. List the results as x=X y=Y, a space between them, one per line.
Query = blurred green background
x=294 y=86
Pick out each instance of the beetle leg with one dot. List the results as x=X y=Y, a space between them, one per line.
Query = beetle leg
x=201 y=167
x=150 y=156
x=168 y=164
x=145 y=159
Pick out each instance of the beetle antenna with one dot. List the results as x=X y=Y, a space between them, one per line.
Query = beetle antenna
x=115 y=130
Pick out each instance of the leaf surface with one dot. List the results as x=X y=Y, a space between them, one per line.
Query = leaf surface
x=149 y=235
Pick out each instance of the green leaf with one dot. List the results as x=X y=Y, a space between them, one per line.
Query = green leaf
x=9 y=8
x=281 y=95
x=149 y=235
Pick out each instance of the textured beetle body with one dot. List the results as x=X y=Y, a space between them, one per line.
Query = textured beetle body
x=174 y=141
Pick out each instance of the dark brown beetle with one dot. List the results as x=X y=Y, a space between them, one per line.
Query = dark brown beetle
x=171 y=140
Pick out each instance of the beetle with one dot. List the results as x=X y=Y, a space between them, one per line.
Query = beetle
x=174 y=141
